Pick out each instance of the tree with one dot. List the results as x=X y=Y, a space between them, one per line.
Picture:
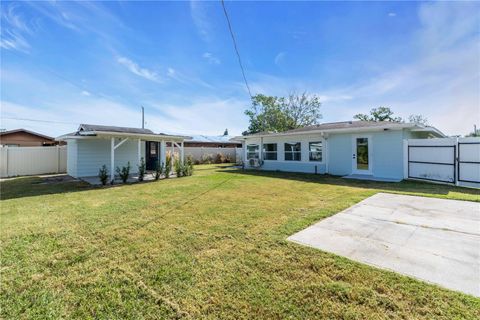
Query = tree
x=270 y=113
x=474 y=133
x=378 y=114
x=418 y=119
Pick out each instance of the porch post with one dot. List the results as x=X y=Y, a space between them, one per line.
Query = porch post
x=182 y=153
x=139 y=151
x=163 y=151
x=112 y=159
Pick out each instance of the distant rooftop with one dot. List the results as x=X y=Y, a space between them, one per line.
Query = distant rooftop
x=212 y=139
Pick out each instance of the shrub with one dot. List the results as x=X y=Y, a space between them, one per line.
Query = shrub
x=141 y=170
x=168 y=164
x=124 y=172
x=103 y=174
x=178 y=166
x=207 y=159
x=158 y=171
x=187 y=169
x=220 y=158
x=228 y=159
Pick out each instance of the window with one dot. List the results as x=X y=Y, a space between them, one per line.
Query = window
x=315 y=150
x=293 y=151
x=270 y=151
x=253 y=151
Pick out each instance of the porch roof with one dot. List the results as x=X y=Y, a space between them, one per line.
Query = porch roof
x=87 y=131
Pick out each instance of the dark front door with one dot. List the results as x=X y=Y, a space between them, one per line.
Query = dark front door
x=152 y=151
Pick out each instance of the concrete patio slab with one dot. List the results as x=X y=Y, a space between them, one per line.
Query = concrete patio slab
x=434 y=240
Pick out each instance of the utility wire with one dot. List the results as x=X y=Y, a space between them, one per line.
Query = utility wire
x=73 y=83
x=38 y=120
x=236 y=48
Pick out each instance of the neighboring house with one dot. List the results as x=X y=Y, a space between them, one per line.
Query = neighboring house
x=92 y=146
x=212 y=142
x=26 y=138
x=360 y=149
x=223 y=141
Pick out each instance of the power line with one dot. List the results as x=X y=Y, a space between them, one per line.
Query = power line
x=38 y=120
x=58 y=75
x=236 y=48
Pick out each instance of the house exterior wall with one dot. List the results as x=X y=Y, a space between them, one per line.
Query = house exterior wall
x=72 y=158
x=387 y=153
x=89 y=155
x=25 y=139
x=305 y=165
x=340 y=154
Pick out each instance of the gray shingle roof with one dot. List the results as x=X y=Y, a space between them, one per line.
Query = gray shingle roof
x=347 y=125
x=94 y=127
x=337 y=125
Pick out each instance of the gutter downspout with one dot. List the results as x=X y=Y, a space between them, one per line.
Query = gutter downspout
x=325 y=137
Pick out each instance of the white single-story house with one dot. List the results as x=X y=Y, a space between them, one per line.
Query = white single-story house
x=359 y=149
x=92 y=146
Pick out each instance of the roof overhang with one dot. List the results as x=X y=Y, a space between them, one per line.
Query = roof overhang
x=106 y=134
x=434 y=132
x=388 y=127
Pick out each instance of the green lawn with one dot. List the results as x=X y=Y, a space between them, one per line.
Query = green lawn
x=207 y=246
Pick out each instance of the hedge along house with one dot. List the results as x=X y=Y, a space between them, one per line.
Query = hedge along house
x=92 y=146
x=356 y=149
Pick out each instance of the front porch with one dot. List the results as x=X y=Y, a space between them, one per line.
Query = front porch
x=154 y=154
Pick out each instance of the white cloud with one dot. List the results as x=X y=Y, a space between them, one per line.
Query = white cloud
x=211 y=58
x=139 y=71
x=441 y=82
x=392 y=14
x=86 y=93
x=189 y=80
x=280 y=57
x=195 y=118
x=14 y=29
x=201 y=19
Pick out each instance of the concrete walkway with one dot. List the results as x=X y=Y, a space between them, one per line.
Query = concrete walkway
x=434 y=240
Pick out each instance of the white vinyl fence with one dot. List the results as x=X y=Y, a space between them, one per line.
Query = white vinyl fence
x=200 y=153
x=19 y=161
x=447 y=160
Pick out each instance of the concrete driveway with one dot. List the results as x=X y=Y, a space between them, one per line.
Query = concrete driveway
x=434 y=240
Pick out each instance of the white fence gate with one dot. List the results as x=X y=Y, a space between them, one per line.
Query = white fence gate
x=19 y=161
x=448 y=160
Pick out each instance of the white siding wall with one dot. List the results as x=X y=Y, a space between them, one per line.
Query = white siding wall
x=305 y=165
x=72 y=158
x=93 y=153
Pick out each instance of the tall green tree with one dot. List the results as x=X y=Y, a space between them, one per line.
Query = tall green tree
x=378 y=114
x=418 y=119
x=475 y=133
x=271 y=113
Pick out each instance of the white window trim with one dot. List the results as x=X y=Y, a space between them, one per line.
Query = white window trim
x=323 y=150
x=293 y=142
x=265 y=152
x=257 y=152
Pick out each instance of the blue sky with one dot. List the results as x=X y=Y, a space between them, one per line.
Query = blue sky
x=98 y=62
